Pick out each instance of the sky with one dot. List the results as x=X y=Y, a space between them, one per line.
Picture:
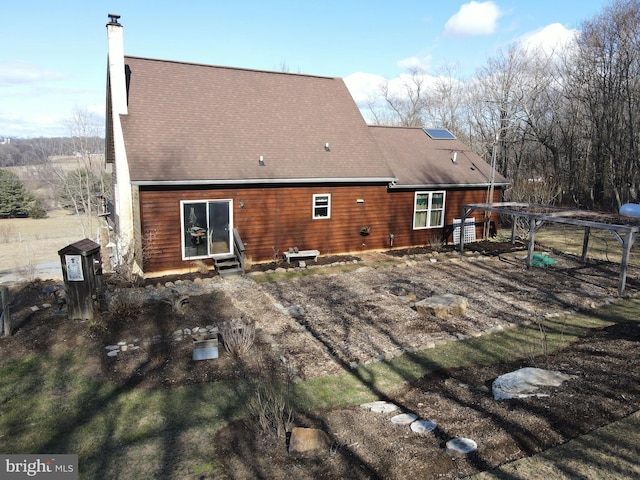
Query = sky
x=54 y=54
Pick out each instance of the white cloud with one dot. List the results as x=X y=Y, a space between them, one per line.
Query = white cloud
x=31 y=125
x=473 y=18
x=20 y=73
x=363 y=87
x=549 y=39
x=416 y=63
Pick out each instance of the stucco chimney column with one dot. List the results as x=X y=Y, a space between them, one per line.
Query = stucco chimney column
x=116 y=65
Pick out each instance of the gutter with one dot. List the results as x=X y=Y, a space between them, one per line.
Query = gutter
x=395 y=186
x=264 y=181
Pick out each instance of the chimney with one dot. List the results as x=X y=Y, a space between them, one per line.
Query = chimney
x=117 y=80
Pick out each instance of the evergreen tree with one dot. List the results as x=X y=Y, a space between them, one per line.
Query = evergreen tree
x=15 y=201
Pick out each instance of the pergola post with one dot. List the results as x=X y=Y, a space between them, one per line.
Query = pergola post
x=463 y=217
x=532 y=236
x=627 y=243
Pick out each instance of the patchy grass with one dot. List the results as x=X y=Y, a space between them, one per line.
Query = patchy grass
x=607 y=452
x=49 y=406
x=383 y=378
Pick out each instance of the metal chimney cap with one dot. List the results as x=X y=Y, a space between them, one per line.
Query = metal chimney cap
x=113 y=19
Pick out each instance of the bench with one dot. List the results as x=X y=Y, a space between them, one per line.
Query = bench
x=302 y=254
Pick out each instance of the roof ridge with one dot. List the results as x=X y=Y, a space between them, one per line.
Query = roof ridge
x=244 y=69
x=397 y=126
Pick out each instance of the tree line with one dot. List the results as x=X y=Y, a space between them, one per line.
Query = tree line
x=16 y=152
x=563 y=126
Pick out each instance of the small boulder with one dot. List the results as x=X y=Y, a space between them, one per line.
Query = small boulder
x=443 y=306
x=308 y=440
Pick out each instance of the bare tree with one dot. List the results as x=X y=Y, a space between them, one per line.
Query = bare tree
x=78 y=186
x=605 y=80
x=405 y=101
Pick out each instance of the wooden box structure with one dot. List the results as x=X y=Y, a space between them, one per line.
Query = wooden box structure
x=82 y=274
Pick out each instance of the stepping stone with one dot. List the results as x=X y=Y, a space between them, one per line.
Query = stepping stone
x=384 y=408
x=423 y=426
x=461 y=445
x=112 y=353
x=404 y=419
x=380 y=406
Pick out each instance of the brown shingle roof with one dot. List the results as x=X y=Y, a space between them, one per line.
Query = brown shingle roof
x=418 y=160
x=199 y=123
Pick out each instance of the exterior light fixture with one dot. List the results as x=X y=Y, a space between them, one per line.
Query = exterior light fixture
x=326 y=147
x=261 y=161
x=454 y=160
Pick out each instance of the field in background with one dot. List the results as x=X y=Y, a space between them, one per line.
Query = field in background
x=25 y=242
x=43 y=180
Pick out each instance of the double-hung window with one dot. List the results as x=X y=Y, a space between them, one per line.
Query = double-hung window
x=428 y=210
x=322 y=205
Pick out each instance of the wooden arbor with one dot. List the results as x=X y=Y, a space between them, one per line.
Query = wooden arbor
x=624 y=229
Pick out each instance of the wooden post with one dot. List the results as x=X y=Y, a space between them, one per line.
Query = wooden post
x=463 y=219
x=6 y=312
x=585 y=244
x=532 y=237
x=629 y=240
x=514 y=220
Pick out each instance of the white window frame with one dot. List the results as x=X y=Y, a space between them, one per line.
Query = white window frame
x=315 y=206
x=429 y=209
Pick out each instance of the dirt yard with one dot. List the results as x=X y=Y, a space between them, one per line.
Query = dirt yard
x=318 y=325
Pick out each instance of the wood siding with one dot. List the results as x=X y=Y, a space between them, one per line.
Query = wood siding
x=270 y=220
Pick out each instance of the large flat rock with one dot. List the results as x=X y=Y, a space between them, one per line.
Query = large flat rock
x=443 y=306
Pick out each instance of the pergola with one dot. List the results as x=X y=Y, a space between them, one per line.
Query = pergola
x=624 y=229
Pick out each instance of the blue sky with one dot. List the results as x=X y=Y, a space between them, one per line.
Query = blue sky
x=53 y=54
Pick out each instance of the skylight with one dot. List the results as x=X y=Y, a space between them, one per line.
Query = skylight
x=439 y=133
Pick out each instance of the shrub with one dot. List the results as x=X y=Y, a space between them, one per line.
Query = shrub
x=125 y=304
x=238 y=336
x=271 y=402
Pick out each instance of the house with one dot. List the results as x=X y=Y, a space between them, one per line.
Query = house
x=210 y=162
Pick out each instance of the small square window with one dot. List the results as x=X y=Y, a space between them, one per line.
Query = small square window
x=322 y=205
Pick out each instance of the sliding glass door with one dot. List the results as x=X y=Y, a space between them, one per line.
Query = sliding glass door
x=207 y=227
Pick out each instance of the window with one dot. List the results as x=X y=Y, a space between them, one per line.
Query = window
x=428 y=208
x=322 y=205
x=206 y=228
